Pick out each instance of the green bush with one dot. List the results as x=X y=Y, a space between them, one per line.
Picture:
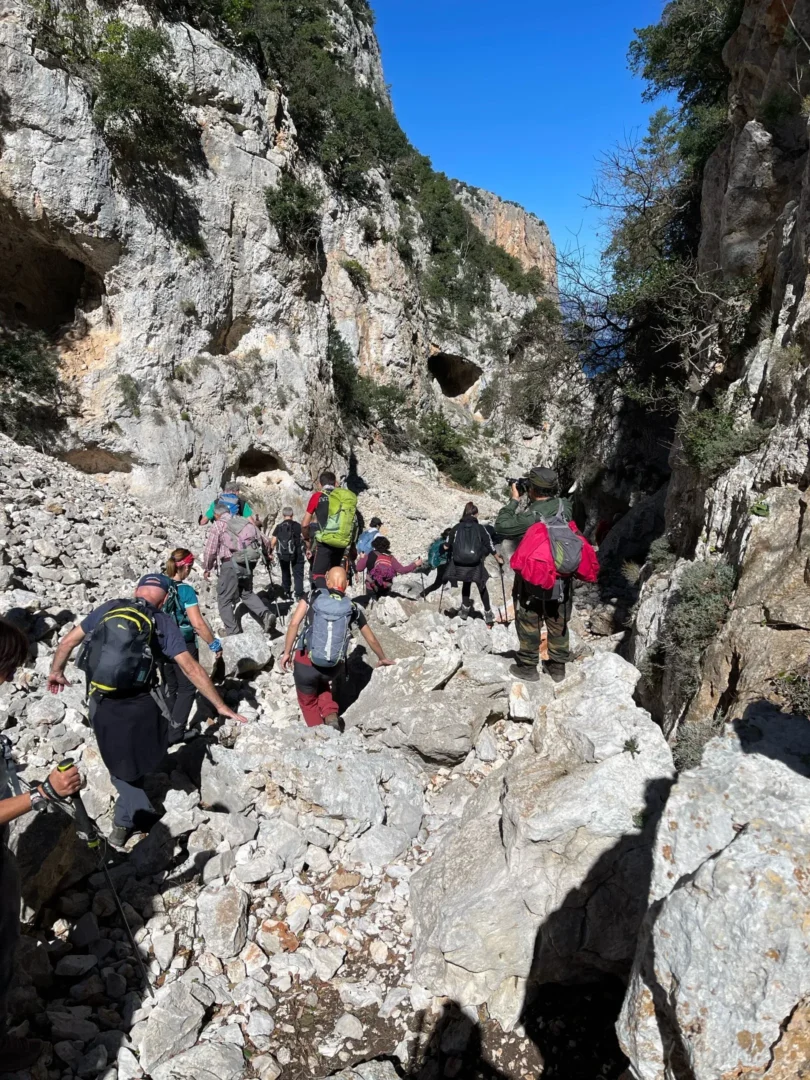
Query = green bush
x=358 y=275
x=714 y=439
x=696 y=613
x=446 y=449
x=661 y=556
x=138 y=108
x=370 y=229
x=130 y=391
x=294 y=209
x=687 y=753
x=794 y=688
x=29 y=384
x=361 y=401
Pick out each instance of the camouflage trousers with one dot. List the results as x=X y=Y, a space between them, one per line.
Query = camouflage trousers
x=531 y=614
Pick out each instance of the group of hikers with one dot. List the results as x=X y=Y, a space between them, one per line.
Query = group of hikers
x=140 y=654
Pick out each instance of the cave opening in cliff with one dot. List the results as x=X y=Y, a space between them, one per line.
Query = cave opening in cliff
x=454 y=374
x=95 y=460
x=254 y=462
x=40 y=286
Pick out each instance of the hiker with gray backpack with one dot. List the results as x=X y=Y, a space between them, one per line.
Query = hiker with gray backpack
x=317 y=644
x=234 y=547
x=551 y=553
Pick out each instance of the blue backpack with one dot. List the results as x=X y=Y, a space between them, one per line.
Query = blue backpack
x=366 y=540
x=231 y=500
x=328 y=628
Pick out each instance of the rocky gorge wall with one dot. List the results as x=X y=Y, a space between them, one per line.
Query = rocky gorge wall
x=196 y=344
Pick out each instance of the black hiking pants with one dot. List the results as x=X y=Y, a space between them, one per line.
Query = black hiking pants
x=179 y=692
x=323 y=559
x=466 y=591
x=293 y=571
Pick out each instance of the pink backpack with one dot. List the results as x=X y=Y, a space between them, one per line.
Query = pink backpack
x=382 y=572
x=554 y=549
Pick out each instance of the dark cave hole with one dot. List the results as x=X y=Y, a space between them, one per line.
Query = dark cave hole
x=454 y=374
x=255 y=461
x=40 y=286
x=93 y=459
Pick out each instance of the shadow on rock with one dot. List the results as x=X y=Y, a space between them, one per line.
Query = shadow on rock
x=571 y=1020
x=453 y=1047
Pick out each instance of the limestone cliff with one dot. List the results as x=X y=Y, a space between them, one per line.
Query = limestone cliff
x=196 y=341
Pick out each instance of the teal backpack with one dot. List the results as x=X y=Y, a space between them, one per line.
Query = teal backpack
x=175 y=608
x=437 y=557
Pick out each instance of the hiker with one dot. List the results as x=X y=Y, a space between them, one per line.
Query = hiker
x=18 y=1053
x=232 y=498
x=333 y=511
x=366 y=538
x=535 y=607
x=321 y=647
x=126 y=642
x=234 y=546
x=439 y=559
x=381 y=568
x=183 y=605
x=287 y=543
x=469 y=544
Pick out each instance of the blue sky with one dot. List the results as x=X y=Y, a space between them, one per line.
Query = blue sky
x=518 y=96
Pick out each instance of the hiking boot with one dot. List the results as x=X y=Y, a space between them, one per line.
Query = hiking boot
x=269 y=621
x=555 y=669
x=118 y=835
x=332 y=721
x=176 y=735
x=524 y=672
x=465 y=611
x=489 y=618
x=17 y=1054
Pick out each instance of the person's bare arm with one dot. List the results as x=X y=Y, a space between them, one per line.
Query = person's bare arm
x=56 y=677
x=292 y=633
x=376 y=647
x=195 y=674
x=199 y=624
x=65 y=784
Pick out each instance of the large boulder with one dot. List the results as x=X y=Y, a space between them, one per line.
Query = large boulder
x=544 y=877
x=721 y=978
x=439 y=725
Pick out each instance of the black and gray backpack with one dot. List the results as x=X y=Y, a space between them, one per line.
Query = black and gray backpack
x=287 y=542
x=117 y=655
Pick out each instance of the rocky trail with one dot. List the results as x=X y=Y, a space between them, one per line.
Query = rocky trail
x=274 y=902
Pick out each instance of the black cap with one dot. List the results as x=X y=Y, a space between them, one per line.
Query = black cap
x=544 y=479
x=375 y=523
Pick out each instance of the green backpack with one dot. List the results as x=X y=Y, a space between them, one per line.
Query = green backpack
x=340 y=527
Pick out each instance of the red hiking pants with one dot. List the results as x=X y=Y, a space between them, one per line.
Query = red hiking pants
x=314 y=689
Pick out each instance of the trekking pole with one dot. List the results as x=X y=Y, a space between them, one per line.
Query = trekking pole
x=86 y=831
x=441 y=597
x=269 y=567
x=503 y=590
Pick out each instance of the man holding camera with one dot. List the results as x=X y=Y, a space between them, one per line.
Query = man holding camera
x=535 y=606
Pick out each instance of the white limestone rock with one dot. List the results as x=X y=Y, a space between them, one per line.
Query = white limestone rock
x=722 y=967
x=535 y=880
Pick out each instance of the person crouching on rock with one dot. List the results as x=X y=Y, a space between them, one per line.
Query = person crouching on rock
x=17 y=1054
x=381 y=568
x=183 y=605
x=125 y=644
x=318 y=635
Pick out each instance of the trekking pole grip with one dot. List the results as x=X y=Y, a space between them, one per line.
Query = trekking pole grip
x=85 y=829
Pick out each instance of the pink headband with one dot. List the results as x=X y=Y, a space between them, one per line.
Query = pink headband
x=187 y=561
